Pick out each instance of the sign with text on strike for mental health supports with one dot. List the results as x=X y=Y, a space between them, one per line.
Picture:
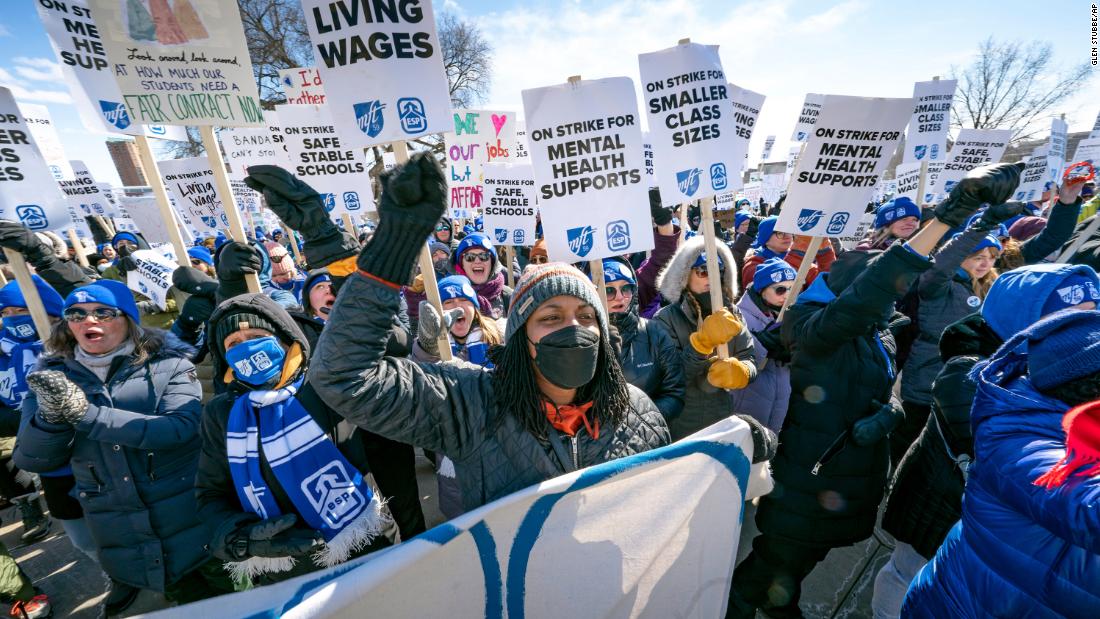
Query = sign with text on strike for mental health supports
x=926 y=139
x=852 y=141
x=478 y=137
x=28 y=192
x=586 y=149
x=972 y=148
x=322 y=158
x=691 y=126
x=509 y=204
x=382 y=67
x=184 y=64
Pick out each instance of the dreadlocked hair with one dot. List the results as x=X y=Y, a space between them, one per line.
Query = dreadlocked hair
x=1077 y=391
x=516 y=389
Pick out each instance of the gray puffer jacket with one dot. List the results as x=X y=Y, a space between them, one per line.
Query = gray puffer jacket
x=704 y=404
x=450 y=408
x=946 y=296
x=134 y=457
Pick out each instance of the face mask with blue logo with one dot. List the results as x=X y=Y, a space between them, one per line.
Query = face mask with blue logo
x=20 y=328
x=256 y=362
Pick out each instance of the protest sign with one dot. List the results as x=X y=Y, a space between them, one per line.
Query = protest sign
x=1056 y=150
x=772 y=186
x=1033 y=178
x=181 y=65
x=681 y=496
x=769 y=142
x=395 y=49
x=302 y=86
x=41 y=126
x=389 y=161
x=746 y=109
x=321 y=157
x=907 y=177
x=248 y=146
x=586 y=148
x=478 y=137
x=190 y=182
x=248 y=199
x=792 y=160
x=811 y=108
x=691 y=122
x=521 y=152
x=647 y=154
x=28 y=192
x=852 y=141
x=934 y=169
x=926 y=139
x=83 y=192
x=866 y=225
x=509 y=204
x=972 y=148
x=1087 y=149
x=153 y=275
x=753 y=191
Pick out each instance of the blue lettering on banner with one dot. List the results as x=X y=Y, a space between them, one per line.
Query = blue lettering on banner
x=718 y=179
x=518 y=236
x=368 y=115
x=837 y=223
x=580 y=240
x=935 y=152
x=808 y=218
x=413 y=117
x=115 y=113
x=351 y=200
x=688 y=181
x=618 y=235
x=919 y=151
x=501 y=235
x=329 y=200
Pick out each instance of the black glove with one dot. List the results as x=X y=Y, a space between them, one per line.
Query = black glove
x=414 y=197
x=875 y=427
x=16 y=237
x=764 y=441
x=301 y=208
x=196 y=311
x=773 y=343
x=126 y=262
x=997 y=214
x=660 y=214
x=194 y=282
x=989 y=184
x=754 y=226
x=274 y=537
x=235 y=259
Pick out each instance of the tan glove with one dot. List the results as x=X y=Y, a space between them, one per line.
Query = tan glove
x=718 y=328
x=728 y=374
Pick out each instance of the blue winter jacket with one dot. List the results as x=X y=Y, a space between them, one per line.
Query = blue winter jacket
x=1020 y=550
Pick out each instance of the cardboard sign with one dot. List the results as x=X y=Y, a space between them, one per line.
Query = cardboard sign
x=907 y=177
x=769 y=142
x=302 y=86
x=853 y=140
x=647 y=153
x=190 y=182
x=746 y=109
x=934 y=170
x=184 y=64
x=509 y=204
x=691 y=122
x=972 y=148
x=1056 y=150
x=41 y=125
x=586 y=148
x=153 y=276
x=1088 y=149
x=321 y=157
x=28 y=191
x=249 y=146
x=1034 y=178
x=478 y=137
x=522 y=153
x=926 y=139
x=811 y=109
x=393 y=48
x=84 y=193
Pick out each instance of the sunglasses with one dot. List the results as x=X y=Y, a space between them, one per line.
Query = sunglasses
x=702 y=271
x=781 y=290
x=197 y=263
x=478 y=257
x=441 y=227
x=540 y=259
x=101 y=314
x=627 y=291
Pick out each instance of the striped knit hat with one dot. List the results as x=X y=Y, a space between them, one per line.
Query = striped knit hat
x=543 y=281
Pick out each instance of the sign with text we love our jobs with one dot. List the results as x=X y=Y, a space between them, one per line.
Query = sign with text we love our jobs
x=479 y=137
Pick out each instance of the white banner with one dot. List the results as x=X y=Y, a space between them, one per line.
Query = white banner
x=586 y=147
x=190 y=183
x=181 y=65
x=973 y=148
x=769 y=142
x=1033 y=179
x=249 y=146
x=509 y=205
x=84 y=193
x=1056 y=150
x=934 y=170
x=28 y=190
x=153 y=276
x=302 y=86
x=927 y=135
x=396 y=52
x=772 y=187
x=1087 y=149
x=792 y=161
x=852 y=141
x=45 y=134
x=811 y=109
x=651 y=535
x=478 y=137
x=691 y=122
x=746 y=110
x=321 y=158
x=143 y=211
x=907 y=177
x=522 y=152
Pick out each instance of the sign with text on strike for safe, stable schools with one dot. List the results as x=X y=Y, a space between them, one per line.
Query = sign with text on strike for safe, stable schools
x=972 y=148
x=688 y=104
x=382 y=67
x=509 y=204
x=478 y=137
x=28 y=192
x=586 y=149
x=180 y=64
x=926 y=139
x=322 y=158
x=852 y=141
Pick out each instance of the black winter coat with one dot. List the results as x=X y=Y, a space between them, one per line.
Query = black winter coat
x=651 y=362
x=828 y=489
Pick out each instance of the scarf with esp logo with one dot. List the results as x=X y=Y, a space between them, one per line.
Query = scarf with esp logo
x=476 y=351
x=16 y=359
x=329 y=494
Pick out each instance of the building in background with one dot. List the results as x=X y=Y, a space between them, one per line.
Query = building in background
x=125 y=155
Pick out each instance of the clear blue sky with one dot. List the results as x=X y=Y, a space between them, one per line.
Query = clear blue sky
x=783 y=49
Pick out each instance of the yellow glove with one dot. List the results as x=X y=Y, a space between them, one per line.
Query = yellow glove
x=728 y=374
x=718 y=328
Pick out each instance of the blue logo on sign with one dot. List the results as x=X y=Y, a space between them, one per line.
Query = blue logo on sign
x=688 y=181
x=351 y=200
x=949 y=185
x=413 y=117
x=115 y=113
x=808 y=218
x=837 y=223
x=618 y=235
x=718 y=176
x=518 y=236
x=32 y=216
x=501 y=235
x=580 y=240
x=209 y=221
x=920 y=151
x=156 y=129
x=144 y=288
x=801 y=136
x=368 y=115
x=225 y=220
x=329 y=200
x=935 y=152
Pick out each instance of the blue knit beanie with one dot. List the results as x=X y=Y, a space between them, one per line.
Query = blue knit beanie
x=1063 y=347
x=457 y=287
x=106 y=292
x=1073 y=290
x=12 y=296
x=474 y=239
x=701 y=260
x=764 y=232
x=1023 y=295
x=615 y=271
x=124 y=236
x=987 y=241
x=543 y=281
x=898 y=208
x=201 y=253
x=739 y=218
x=772 y=271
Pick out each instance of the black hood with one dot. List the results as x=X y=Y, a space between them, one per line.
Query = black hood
x=286 y=328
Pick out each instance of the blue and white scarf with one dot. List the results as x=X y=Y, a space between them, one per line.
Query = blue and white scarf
x=16 y=359
x=473 y=349
x=328 y=493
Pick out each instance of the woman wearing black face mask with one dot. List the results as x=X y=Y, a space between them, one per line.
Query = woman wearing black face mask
x=556 y=400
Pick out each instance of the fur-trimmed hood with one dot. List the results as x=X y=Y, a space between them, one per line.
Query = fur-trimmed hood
x=673 y=279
